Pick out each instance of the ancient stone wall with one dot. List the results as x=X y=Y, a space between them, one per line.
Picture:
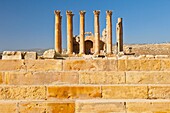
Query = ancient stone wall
x=110 y=85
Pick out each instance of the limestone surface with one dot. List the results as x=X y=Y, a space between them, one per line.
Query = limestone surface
x=135 y=85
x=12 y=55
x=30 y=55
x=8 y=107
x=96 y=106
x=50 y=54
x=148 y=107
x=74 y=92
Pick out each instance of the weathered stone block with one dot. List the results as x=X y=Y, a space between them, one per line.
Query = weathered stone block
x=124 y=92
x=103 y=77
x=140 y=65
x=30 y=55
x=142 y=57
x=32 y=107
x=46 y=107
x=72 y=92
x=148 y=107
x=58 y=77
x=61 y=107
x=150 y=56
x=24 y=92
x=43 y=65
x=2 y=93
x=41 y=78
x=12 y=55
x=159 y=92
x=147 y=77
x=2 y=78
x=90 y=65
x=161 y=56
x=19 y=78
x=150 y=65
x=95 y=106
x=106 y=65
x=9 y=65
x=77 y=65
x=8 y=107
x=165 y=64
x=121 y=65
x=50 y=54
x=132 y=65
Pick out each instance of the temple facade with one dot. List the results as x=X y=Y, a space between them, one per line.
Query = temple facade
x=87 y=42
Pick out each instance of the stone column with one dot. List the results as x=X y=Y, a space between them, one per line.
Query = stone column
x=69 y=32
x=58 y=40
x=109 y=32
x=82 y=29
x=96 y=32
x=119 y=34
x=61 y=33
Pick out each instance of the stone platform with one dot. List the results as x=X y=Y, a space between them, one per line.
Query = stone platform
x=112 y=85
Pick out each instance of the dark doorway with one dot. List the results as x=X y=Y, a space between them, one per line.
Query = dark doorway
x=88 y=47
x=76 y=48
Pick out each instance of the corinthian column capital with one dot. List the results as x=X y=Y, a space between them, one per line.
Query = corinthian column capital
x=109 y=12
x=96 y=12
x=82 y=12
x=69 y=13
x=57 y=12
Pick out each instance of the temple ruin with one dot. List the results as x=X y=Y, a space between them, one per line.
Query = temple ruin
x=92 y=43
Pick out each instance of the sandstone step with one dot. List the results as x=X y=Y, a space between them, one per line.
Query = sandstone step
x=83 y=77
x=87 y=106
x=31 y=65
x=37 y=106
x=108 y=91
x=38 y=78
x=87 y=65
x=72 y=92
x=122 y=106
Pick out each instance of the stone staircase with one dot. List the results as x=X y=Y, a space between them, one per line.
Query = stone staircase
x=115 y=85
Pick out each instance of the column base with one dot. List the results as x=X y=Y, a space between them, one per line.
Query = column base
x=109 y=53
x=96 y=53
x=69 y=53
x=81 y=53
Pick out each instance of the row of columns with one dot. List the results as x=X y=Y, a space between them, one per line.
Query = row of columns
x=70 y=15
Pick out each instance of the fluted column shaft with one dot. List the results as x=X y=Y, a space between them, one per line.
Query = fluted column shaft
x=69 y=32
x=119 y=33
x=96 y=32
x=109 y=32
x=58 y=37
x=82 y=30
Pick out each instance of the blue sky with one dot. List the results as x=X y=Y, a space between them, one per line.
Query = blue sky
x=27 y=24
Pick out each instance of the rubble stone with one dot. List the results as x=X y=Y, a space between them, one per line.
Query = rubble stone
x=30 y=55
x=50 y=54
x=12 y=55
